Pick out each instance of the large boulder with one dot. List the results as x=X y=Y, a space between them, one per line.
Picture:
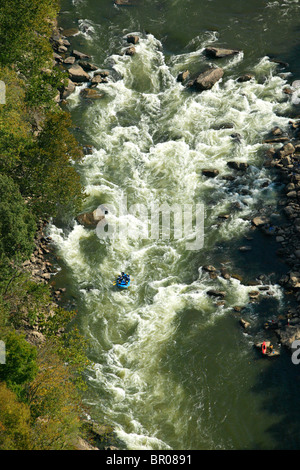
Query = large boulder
x=80 y=55
x=77 y=74
x=207 y=79
x=87 y=66
x=67 y=90
x=219 y=53
x=90 y=219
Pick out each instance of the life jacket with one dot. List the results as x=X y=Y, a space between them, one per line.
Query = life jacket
x=264 y=348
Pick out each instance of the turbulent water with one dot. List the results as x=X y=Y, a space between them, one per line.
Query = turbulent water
x=171 y=367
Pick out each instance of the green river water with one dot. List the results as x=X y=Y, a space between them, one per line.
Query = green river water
x=172 y=368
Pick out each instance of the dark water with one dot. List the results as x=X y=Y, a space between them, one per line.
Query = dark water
x=172 y=368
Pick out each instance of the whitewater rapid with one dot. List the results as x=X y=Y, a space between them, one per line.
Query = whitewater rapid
x=152 y=138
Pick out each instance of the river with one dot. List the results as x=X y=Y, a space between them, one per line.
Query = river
x=171 y=366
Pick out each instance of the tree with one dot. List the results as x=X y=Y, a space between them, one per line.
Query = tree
x=17 y=224
x=54 y=403
x=20 y=366
x=20 y=22
x=15 y=432
x=47 y=173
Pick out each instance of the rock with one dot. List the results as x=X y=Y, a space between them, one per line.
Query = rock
x=62 y=49
x=288 y=334
x=207 y=79
x=80 y=55
x=260 y=221
x=90 y=219
x=81 y=444
x=245 y=324
x=219 y=53
x=97 y=79
x=130 y=51
x=88 y=149
x=91 y=94
x=67 y=90
x=87 y=66
x=124 y=2
x=216 y=293
x=240 y=166
x=276 y=140
x=236 y=136
x=276 y=131
x=286 y=161
x=133 y=39
x=183 y=76
x=210 y=173
x=209 y=268
x=70 y=32
x=69 y=60
x=102 y=73
x=286 y=150
x=77 y=74
x=34 y=337
x=245 y=78
x=57 y=57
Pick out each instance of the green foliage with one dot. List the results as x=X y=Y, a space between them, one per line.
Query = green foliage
x=48 y=174
x=20 y=22
x=14 y=121
x=54 y=403
x=27 y=302
x=39 y=386
x=17 y=224
x=20 y=367
x=15 y=432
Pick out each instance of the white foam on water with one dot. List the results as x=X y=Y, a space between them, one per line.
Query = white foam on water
x=152 y=139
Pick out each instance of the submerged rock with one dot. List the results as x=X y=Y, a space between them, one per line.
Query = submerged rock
x=240 y=166
x=210 y=173
x=245 y=78
x=91 y=94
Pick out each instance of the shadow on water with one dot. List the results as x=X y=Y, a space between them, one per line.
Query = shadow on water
x=279 y=385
